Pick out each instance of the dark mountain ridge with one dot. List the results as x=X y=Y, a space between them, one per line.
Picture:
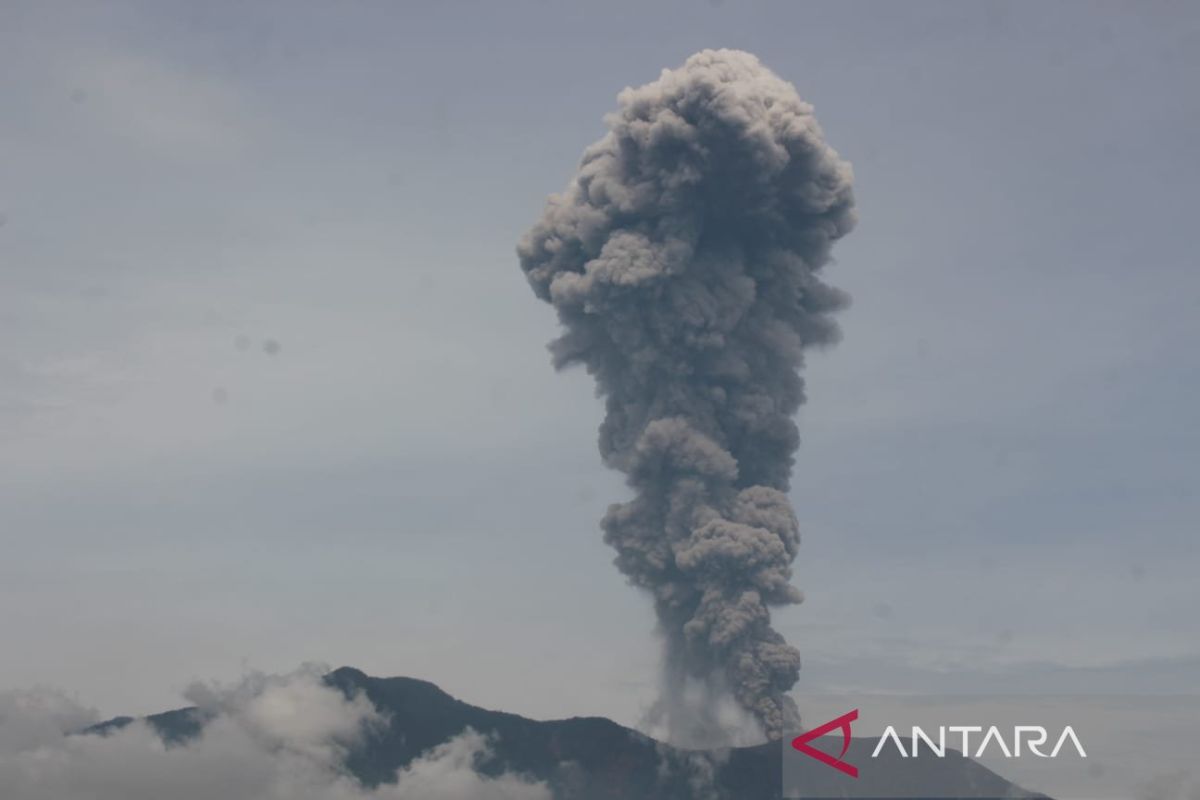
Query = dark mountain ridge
x=588 y=758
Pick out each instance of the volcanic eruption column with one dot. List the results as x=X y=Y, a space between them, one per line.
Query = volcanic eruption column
x=684 y=262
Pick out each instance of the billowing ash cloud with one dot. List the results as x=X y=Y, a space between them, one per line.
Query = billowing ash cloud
x=684 y=261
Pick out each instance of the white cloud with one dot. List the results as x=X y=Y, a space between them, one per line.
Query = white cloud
x=446 y=773
x=268 y=738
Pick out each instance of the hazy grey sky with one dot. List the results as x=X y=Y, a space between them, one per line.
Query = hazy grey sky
x=997 y=486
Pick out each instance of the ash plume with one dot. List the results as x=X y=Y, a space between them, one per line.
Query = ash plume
x=684 y=262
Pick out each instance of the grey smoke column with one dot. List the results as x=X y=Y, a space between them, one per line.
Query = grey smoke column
x=684 y=262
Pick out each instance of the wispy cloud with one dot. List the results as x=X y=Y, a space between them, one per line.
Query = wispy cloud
x=156 y=105
x=267 y=738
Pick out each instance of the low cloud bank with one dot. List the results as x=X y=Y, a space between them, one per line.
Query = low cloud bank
x=266 y=738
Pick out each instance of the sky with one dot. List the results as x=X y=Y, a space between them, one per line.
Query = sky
x=265 y=737
x=274 y=390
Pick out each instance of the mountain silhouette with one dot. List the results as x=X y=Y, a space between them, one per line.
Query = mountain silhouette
x=593 y=758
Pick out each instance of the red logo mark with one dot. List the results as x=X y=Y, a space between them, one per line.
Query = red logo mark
x=801 y=743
